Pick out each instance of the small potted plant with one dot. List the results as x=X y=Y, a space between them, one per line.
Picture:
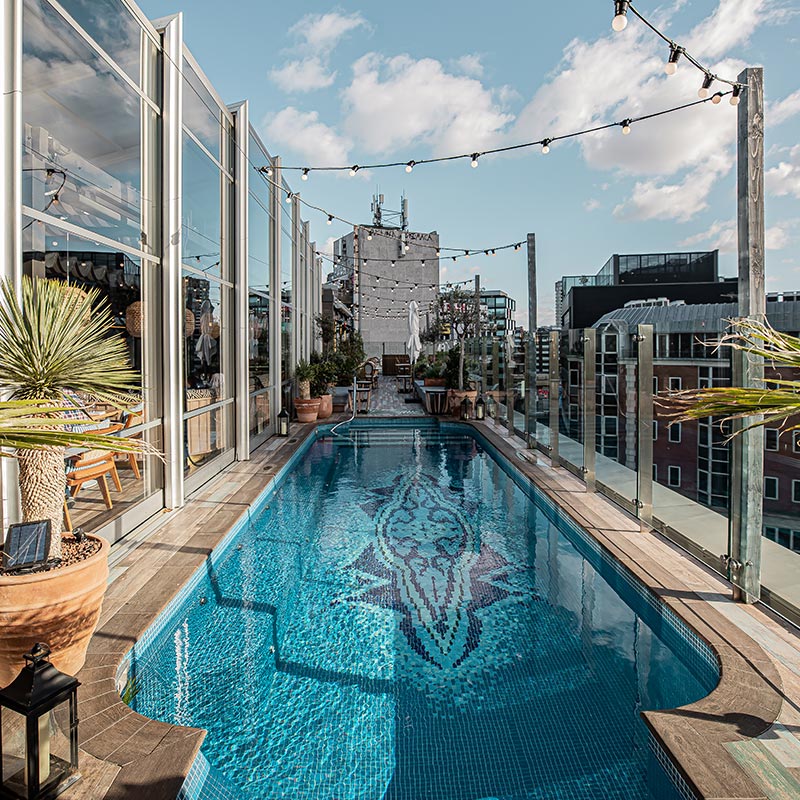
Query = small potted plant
x=306 y=406
x=325 y=374
x=456 y=381
x=433 y=376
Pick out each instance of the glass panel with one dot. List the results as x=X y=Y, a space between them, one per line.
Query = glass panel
x=204 y=240
x=287 y=358
x=570 y=446
x=691 y=491
x=260 y=413
x=207 y=374
x=126 y=41
x=131 y=288
x=259 y=341
x=84 y=130
x=202 y=114
x=206 y=435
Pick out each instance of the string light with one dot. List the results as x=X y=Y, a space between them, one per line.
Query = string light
x=474 y=162
x=304 y=176
x=288 y=197
x=354 y=169
x=735 y=96
x=671 y=67
x=620 y=21
x=330 y=219
x=410 y=166
x=626 y=127
x=546 y=145
x=702 y=92
x=717 y=98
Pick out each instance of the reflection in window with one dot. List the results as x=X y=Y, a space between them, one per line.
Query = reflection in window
x=202 y=114
x=203 y=241
x=86 y=125
x=207 y=435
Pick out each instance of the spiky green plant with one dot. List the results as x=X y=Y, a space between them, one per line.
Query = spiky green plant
x=777 y=407
x=52 y=339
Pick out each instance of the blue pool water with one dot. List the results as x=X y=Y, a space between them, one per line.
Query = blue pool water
x=403 y=619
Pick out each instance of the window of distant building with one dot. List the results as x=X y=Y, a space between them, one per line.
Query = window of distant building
x=674 y=476
x=655 y=472
x=796 y=491
x=771 y=439
x=675 y=384
x=770 y=488
x=655 y=430
x=675 y=432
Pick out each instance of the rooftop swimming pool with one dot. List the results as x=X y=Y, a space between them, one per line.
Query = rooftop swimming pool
x=405 y=617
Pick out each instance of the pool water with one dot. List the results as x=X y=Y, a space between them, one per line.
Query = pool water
x=403 y=620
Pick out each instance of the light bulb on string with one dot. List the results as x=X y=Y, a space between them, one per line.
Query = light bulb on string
x=393 y=262
x=474 y=162
x=626 y=127
x=717 y=98
x=438 y=253
x=354 y=169
x=620 y=21
x=737 y=90
x=466 y=254
x=269 y=172
x=330 y=219
x=288 y=197
x=671 y=67
x=702 y=92
x=546 y=146
x=304 y=176
x=410 y=166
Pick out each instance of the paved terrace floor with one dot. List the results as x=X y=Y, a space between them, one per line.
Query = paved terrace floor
x=739 y=742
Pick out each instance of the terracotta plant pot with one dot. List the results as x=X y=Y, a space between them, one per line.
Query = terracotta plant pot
x=60 y=607
x=306 y=410
x=456 y=396
x=435 y=382
x=325 y=406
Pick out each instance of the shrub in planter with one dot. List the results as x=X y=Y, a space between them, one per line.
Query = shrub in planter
x=305 y=406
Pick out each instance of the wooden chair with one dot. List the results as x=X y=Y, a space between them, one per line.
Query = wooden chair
x=93 y=465
x=132 y=418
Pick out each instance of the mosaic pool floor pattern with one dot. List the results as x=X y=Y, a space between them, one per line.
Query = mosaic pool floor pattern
x=401 y=622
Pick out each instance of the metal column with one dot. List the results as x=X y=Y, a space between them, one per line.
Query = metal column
x=747 y=467
x=174 y=321
x=554 y=398
x=644 y=428
x=241 y=282
x=589 y=407
x=276 y=295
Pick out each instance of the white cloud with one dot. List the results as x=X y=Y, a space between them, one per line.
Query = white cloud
x=781 y=110
x=303 y=75
x=722 y=236
x=394 y=102
x=731 y=25
x=592 y=204
x=322 y=32
x=470 y=65
x=318 y=35
x=673 y=201
x=785 y=178
x=303 y=133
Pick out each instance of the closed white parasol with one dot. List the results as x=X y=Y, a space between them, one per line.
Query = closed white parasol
x=414 y=345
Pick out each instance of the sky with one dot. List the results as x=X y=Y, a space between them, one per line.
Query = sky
x=356 y=82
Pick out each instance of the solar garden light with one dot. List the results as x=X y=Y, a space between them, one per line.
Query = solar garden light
x=480 y=408
x=465 y=408
x=283 y=423
x=38 y=718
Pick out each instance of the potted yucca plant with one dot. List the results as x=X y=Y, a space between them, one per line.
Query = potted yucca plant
x=54 y=340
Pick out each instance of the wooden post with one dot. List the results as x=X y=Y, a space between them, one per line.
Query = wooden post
x=747 y=467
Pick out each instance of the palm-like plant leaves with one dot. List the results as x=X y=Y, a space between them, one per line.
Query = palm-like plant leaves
x=776 y=407
x=58 y=338
x=35 y=425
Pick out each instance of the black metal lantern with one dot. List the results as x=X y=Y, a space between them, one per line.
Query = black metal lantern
x=480 y=408
x=465 y=404
x=38 y=730
x=283 y=423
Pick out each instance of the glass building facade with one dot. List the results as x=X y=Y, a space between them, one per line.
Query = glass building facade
x=131 y=176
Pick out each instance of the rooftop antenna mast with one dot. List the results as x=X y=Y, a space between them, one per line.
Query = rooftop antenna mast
x=385 y=218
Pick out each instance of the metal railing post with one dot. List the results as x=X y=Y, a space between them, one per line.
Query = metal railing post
x=644 y=426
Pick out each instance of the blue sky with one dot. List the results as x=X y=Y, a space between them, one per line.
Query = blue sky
x=358 y=82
